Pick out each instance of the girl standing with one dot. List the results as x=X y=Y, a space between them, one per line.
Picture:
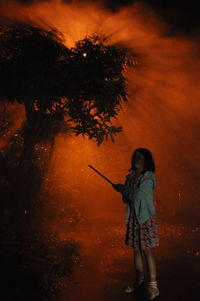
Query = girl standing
x=142 y=228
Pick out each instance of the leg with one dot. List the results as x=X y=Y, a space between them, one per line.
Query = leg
x=139 y=266
x=152 y=289
x=148 y=252
x=139 y=281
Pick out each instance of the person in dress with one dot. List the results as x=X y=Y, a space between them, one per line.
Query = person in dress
x=142 y=227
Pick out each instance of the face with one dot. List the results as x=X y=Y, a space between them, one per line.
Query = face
x=139 y=161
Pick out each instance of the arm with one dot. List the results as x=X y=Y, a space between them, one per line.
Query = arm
x=124 y=196
x=140 y=192
x=123 y=189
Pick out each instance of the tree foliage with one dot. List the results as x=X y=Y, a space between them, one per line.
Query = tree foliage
x=81 y=88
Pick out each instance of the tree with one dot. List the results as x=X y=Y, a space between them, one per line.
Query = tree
x=84 y=85
x=78 y=89
x=62 y=89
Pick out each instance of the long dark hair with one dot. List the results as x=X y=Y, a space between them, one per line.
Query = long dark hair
x=148 y=159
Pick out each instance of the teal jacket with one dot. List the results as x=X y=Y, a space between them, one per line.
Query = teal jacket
x=142 y=195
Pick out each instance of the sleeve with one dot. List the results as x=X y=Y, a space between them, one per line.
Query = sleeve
x=124 y=195
x=126 y=192
x=140 y=192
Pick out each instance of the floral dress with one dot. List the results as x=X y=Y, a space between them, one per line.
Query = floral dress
x=141 y=236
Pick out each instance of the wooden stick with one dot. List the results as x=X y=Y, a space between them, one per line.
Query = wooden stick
x=100 y=174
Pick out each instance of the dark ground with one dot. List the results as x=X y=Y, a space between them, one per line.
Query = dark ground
x=106 y=265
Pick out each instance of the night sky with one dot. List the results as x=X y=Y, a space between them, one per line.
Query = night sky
x=181 y=19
